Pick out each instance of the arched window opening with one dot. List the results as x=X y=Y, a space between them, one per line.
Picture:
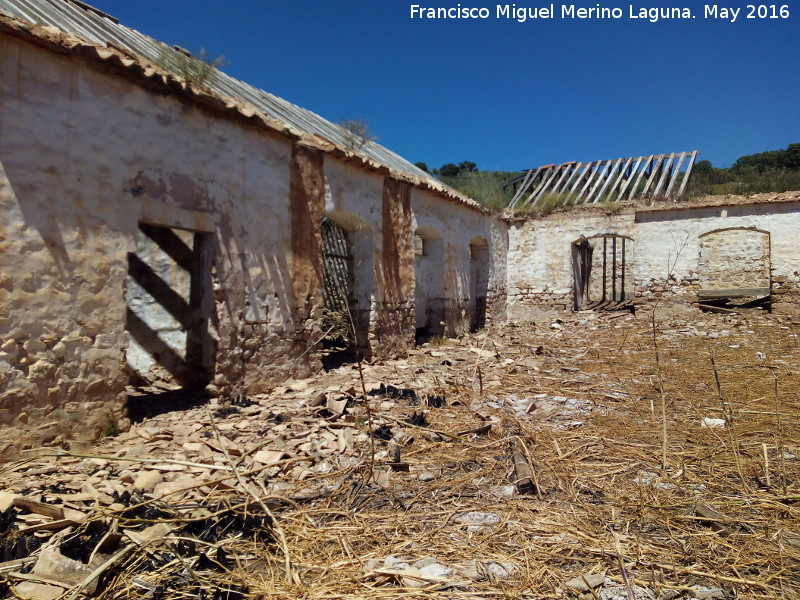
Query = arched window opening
x=429 y=291
x=348 y=286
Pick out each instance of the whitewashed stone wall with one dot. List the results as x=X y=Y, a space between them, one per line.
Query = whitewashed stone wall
x=457 y=229
x=354 y=201
x=429 y=280
x=540 y=257
x=87 y=155
x=666 y=259
x=734 y=262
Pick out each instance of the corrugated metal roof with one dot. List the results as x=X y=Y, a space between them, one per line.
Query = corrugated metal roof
x=94 y=26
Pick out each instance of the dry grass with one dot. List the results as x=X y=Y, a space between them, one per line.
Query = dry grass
x=601 y=483
x=604 y=502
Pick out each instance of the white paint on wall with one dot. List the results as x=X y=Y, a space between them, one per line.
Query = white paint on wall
x=429 y=280
x=457 y=226
x=667 y=243
x=734 y=262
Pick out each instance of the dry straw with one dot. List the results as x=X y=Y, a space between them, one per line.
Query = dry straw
x=572 y=404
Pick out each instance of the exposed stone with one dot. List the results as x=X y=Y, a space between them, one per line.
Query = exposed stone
x=148 y=480
x=51 y=564
x=587 y=581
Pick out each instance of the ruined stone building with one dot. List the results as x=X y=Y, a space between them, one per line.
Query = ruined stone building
x=206 y=234
x=158 y=230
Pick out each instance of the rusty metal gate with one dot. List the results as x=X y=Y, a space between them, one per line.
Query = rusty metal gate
x=602 y=279
x=582 y=270
x=338 y=278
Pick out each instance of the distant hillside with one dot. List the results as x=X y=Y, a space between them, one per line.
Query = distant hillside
x=771 y=171
x=484 y=186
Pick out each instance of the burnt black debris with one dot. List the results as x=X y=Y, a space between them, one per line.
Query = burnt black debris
x=384 y=432
x=395 y=393
x=13 y=544
x=209 y=562
x=80 y=546
x=434 y=401
x=145 y=512
x=229 y=523
x=418 y=419
x=226 y=411
x=56 y=488
x=243 y=401
x=191 y=532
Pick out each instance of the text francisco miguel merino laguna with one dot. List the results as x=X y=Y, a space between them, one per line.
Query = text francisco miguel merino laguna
x=571 y=11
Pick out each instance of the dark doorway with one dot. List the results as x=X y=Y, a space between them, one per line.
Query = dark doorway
x=479 y=282
x=338 y=272
x=582 y=252
x=347 y=254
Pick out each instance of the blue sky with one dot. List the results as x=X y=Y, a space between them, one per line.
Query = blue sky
x=503 y=94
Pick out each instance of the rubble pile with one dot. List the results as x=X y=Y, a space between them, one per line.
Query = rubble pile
x=525 y=461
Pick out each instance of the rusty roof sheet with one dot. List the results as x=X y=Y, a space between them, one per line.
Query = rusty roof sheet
x=91 y=24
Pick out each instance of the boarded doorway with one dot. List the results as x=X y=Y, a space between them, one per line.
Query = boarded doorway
x=734 y=268
x=602 y=274
x=479 y=282
x=169 y=310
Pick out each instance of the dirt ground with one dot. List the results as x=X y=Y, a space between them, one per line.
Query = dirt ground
x=598 y=455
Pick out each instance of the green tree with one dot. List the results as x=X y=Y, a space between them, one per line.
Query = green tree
x=771 y=159
x=792 y=157
x=703 y=167
x=449 y=170
x=467 y=167
x=423 y=166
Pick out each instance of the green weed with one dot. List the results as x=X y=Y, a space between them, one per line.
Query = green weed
x=197 y=70
x=111 y=426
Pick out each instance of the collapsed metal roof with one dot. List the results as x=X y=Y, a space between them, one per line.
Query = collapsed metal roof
x=603 y=180
x=93 y=25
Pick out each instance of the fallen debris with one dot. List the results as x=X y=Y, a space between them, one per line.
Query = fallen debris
x=586 y=582
x=524 y=479
x=523 y=489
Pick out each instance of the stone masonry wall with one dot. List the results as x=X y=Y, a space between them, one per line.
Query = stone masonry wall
x=456 y=229
x=667 y=264
x=84 y=158
x=395 y=313
x=734 y=262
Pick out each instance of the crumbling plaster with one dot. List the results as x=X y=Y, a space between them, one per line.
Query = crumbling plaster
x=666 y=251
x=87 y=155
x=456 y=230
